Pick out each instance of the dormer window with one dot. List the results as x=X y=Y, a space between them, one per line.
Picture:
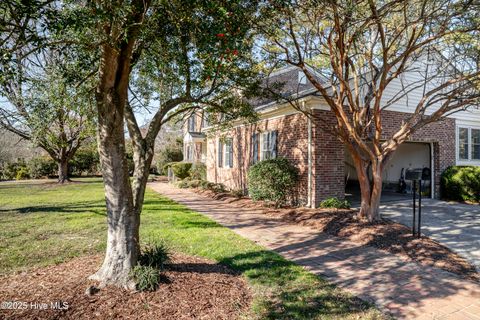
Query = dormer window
x=302 y=78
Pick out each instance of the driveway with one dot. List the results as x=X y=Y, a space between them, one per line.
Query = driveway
x=457 y=226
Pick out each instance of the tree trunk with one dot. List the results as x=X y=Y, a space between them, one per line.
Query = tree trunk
x=63 y=171
x=142 y=160
x=122 y=218
x=370 y=190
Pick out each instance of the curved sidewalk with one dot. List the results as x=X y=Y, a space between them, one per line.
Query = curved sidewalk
x=397 y=286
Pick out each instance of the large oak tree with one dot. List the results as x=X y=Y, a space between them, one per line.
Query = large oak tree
x=49 y=103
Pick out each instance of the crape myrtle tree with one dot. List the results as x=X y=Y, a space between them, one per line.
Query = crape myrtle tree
x=175 y=55
x=48 y=102
x=353 y=52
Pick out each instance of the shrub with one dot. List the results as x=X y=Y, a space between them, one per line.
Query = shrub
x=166 y=166
x=182 y=184
x=10 y=170
x=155 y=255
x=198 y=171
x=461 y=183
x=238 y=193
x=22 y=174
x=189 y=183
x=206 y=185
x=172 y=152
x=146 y=278
x=85 y=162
x=335 y=203
x=272 y=180
x=181 y=170
x=42 y=167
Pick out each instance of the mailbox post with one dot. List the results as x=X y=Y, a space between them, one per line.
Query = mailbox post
x=415 y=175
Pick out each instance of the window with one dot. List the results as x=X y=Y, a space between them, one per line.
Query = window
x=205 y=120
x=228 y=153
x=475 y=140
x=191 y=123
x=302 y=78
x=225 y=153
x=468 y=144
x=268 y=145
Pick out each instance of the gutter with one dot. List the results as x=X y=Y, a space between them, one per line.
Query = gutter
x=309 y=157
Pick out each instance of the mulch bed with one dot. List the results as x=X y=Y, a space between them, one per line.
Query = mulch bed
x=193 y=288
x=385 y=235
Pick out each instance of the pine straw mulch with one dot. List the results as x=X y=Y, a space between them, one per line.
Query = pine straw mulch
x=192 y=288
x=386 y=235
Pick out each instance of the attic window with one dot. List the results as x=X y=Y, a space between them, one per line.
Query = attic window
x=302 y=79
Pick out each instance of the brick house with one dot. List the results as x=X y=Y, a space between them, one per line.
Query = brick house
x=325 y=166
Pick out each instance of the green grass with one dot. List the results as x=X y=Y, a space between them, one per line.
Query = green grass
x=42 y=224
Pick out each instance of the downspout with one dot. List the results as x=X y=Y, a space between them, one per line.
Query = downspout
x=309 y=159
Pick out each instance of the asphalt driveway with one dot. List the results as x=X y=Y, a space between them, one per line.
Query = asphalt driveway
x=457 y=226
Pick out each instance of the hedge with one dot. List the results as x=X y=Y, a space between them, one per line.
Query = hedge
x=198 y=171
x=181 y=170
x=461 y=183
x=273 y=180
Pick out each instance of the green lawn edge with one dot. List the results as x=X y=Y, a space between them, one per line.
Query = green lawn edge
x=44 y=224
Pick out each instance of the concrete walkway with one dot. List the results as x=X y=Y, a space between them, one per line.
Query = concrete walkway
x=457 y=226
x=396 y=286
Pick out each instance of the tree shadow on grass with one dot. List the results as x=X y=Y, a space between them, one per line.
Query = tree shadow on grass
x=293 y=293
x=77 y=207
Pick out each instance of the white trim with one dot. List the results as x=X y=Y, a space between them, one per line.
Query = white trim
x=432 y=171
x=309 y=159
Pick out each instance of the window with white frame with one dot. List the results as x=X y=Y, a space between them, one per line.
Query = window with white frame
x=268 y=145
x=228 y=153
x=475 y=144
x=225 y=153
x=468 y=140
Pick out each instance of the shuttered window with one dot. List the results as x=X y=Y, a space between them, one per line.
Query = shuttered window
x=191 y=123
x=228 y=153
x=269 y=145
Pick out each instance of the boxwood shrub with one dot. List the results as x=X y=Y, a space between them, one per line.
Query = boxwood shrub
x=273 y=180
x=198 y=171
x=181 y=170
x=461 y=183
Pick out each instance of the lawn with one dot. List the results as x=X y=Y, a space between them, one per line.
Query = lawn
x=44 y=224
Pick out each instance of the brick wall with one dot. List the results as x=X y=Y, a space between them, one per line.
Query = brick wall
x=328 y=158
x=291 y=144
